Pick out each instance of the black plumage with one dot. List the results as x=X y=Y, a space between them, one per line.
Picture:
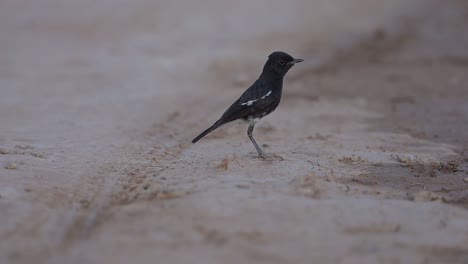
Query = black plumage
x=260 y=99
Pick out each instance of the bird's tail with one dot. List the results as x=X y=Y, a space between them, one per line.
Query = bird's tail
x=206 y=132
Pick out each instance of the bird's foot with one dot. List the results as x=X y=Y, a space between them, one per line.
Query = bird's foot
x=270 y=156
x=262 y=154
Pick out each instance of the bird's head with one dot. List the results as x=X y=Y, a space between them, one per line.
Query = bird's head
x=279 y=63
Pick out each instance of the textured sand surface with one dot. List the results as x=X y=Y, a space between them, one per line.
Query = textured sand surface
x=99 y=101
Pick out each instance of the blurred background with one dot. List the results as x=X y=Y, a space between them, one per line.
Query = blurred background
x=95 y=95
x=79 y=54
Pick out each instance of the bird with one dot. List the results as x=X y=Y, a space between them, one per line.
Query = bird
x=260 y=99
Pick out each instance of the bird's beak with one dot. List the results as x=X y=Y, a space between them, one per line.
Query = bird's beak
x=296 y=61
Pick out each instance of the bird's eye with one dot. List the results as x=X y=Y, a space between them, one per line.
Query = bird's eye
x=282 y=62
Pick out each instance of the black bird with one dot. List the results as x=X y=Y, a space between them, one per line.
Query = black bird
x=260 y=99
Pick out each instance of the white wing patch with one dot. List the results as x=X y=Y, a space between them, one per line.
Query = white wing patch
x=266 y=95
x=249 y=103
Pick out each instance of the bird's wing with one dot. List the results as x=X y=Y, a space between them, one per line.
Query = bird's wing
x=254 y=100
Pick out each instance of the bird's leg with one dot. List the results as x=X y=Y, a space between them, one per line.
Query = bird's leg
x=249 y=133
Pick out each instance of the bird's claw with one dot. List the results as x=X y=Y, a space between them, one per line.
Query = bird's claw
x=271 y=157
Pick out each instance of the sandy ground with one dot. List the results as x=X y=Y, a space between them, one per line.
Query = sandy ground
x=99 y=101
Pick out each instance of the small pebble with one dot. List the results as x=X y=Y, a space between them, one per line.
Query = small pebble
x=4 y=151
x=466 y=179
x=11 y=166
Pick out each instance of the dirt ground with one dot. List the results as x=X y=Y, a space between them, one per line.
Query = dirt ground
x=99 y=101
